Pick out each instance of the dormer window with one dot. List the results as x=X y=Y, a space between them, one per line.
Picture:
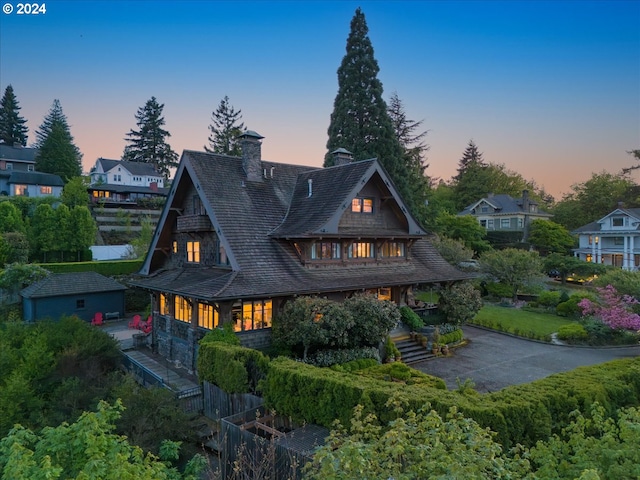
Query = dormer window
x=617 y=222
x=362 y=205
x=193 y=252
x=392 y=249
x=361 y=250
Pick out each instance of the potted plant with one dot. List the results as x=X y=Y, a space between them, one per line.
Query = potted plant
x=435 y=348
x=444 y=349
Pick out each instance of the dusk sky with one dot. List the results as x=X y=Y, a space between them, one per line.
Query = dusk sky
x=550 y=89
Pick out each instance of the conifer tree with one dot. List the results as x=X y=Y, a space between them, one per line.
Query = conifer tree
x=359 y=121
x=57 y=153
x=148 y=144
x=12 y=125
x=471 y=157
x=225 y=127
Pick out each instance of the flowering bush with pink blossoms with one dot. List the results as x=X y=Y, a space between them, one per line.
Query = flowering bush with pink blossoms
x=613 y=309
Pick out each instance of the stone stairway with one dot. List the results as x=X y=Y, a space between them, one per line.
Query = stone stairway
x=411 y=351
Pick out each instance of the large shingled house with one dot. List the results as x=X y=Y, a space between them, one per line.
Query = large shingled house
x=238 y=237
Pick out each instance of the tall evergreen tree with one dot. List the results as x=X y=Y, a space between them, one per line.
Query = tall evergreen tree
x=148 y=144
x=414 y=148
x=12 y=126
x=359 y=121
x=471 y=157
x=225 y=127
x=58 y=155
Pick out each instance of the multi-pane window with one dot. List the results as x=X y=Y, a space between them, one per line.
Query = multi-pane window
x=325 y=250
x=164 y=305
x=193 y=252
x=362 y=205
x=174 y=246
x=182 y=309
x=505 y=223
x=617 y=221
x=253 y=315
x=20 y=190
x=392 y=249
x=44 y=190
x=80 y=303
x=361 y=250
x=207 y=316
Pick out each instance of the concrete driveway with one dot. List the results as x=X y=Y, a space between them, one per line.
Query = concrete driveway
x=493 y=360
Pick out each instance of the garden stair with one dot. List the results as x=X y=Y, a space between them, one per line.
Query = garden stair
x=411 y=351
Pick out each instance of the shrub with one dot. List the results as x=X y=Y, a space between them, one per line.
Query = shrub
x=573 y=332
x=355 y=365
x=224 y=335
x=460 y=303
x=549 y=298
x=327 y=358
x=570 y=307
x=411 y=319
x=499 y=290
x=451 y=337
x=232 y=368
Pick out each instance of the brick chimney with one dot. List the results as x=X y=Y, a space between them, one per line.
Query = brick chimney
x=342 y=156
x=252 y=155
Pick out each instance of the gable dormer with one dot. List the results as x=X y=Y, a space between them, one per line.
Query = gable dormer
x=620 y=220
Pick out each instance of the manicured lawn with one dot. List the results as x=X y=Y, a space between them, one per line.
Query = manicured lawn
x=520 y=322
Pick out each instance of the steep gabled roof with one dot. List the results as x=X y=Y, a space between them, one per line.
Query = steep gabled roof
x=596 y=226
x=77 y=283
x=135 y=168
x=246 y=215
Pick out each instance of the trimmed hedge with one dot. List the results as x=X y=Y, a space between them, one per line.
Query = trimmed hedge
x=518 y=414
x=107 y=268
x=451 y=337
x=411 y=319
x=233 y=368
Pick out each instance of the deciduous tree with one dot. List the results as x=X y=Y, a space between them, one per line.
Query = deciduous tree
x=75 y=192
x=464 y=228
x=459 y=303
x=549 y=237
x=513 y=267
x=149 y=143
x=226 y=125
x=12 y=126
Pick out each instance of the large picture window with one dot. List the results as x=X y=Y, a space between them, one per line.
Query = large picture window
x=361 y=250
x=183 y=309
x=325 y=250
x=193 y=252
x=252 y=315
x=163 y=308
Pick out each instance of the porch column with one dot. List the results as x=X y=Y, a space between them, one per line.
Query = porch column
x=593 y=252
x=625 y=253
x=632 y=257
x=599 y=252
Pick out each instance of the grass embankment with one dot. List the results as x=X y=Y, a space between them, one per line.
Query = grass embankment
x=520 y=322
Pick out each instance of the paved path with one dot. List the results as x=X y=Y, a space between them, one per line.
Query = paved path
x=493 y=360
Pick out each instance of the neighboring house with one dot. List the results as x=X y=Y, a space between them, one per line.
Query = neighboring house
x=120 y=181
x=82 y=294
x=35 y=184
x=238 y=237
x=505 y=213
x=612 y=240
x=19 y=178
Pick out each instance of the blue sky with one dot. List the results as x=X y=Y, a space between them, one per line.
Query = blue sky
x=550 y=89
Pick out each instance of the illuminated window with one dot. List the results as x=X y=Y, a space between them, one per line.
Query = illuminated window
x=589 y=258
x=46 y=190
x=207 y=316
x=183 y=309
x=361 y=250
x=20 y=190
x=193 y=252
x=325 y=250
x=174 y=246
x=384 y=293
x=392 y=249
x=362 y=205
x=252 y=315
x=164 y=305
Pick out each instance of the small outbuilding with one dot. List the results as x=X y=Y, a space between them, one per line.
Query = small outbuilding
x=81 y=293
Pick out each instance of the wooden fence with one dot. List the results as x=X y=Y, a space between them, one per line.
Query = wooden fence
x=219 y=404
